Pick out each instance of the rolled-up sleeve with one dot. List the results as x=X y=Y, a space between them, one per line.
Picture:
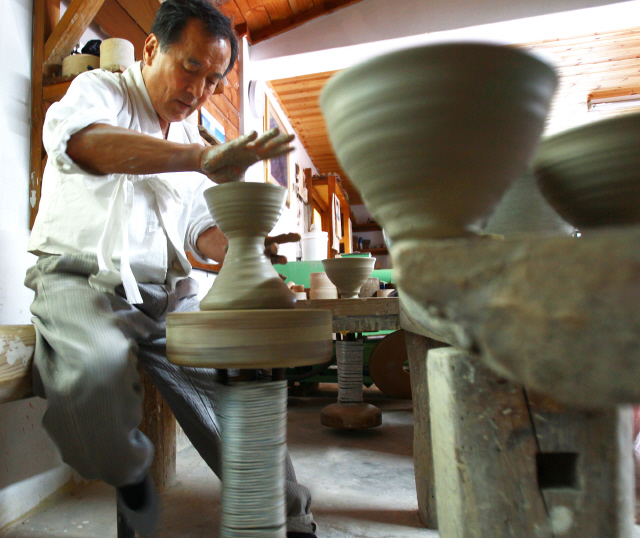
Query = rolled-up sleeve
x=92 y=97
x=200 y=220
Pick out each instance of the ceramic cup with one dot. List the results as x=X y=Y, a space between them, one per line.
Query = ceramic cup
x=591 y=174
x=349 y=274
x=433 y=136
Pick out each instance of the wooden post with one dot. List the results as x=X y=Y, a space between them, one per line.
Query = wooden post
x=159 y=425
x=508 y=466
x=417 y=348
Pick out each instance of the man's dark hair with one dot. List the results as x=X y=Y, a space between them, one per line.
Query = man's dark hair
x=173 y=15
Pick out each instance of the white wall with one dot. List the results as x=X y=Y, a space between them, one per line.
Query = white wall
x=30 y=468
x=375 y=27
x=292 y=219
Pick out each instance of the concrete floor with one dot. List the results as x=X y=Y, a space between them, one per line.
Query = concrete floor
x=362 y=483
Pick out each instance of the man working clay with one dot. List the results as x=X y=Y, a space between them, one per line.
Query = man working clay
x=121 y=203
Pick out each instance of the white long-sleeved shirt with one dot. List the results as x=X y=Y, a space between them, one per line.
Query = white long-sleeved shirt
x=139 y=226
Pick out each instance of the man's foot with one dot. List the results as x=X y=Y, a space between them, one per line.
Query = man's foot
x=301 y=535
x=140 y=506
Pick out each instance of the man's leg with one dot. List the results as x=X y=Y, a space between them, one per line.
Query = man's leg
x=86 y=368
x=190 y=393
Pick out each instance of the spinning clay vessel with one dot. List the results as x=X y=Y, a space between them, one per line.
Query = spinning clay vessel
x=246 y=213
x=433 y=136
x=349 y=274
x=591 y=174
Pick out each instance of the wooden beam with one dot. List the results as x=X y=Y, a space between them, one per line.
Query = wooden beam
x=141 y=11
x=37 y=111
x=55 y=92
x=17 y=344
x=69 y=30
x=116 y=22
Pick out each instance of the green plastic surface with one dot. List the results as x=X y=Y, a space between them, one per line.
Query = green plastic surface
x=299 y=272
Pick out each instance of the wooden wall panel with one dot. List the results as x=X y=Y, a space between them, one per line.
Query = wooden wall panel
x=116 y=22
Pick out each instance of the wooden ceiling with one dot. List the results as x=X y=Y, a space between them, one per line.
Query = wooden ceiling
x=256 y=19
x=262 y=19
x=598 y=64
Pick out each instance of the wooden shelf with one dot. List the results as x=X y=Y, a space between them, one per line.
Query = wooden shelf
x=367 y=227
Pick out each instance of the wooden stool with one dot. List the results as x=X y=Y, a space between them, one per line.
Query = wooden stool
x=511 y=464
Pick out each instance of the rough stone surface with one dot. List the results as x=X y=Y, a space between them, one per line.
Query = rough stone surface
x=558 y=314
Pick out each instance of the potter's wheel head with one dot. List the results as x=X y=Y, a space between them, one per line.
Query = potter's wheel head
x=246 y=207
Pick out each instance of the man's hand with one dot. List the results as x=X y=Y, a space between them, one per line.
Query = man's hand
x=271 y=246
x=228 y=162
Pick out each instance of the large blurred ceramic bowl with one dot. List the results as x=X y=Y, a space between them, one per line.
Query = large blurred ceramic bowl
x=433 y=136
x=591 y=174
x=349 y=274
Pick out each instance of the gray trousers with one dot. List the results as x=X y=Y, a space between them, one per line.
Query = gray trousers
x=88 y=349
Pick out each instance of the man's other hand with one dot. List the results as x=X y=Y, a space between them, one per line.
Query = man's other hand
x=271 y=246
x=228 y=162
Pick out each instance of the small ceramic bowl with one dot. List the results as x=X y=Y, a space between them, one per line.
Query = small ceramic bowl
x=591 y=174
x=433 y=136
x=349 y=274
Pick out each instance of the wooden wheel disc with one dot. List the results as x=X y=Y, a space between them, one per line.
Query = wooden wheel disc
x=249 y=338
x=386 y=366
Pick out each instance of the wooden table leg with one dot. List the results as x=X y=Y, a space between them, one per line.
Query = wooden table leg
x=510 y=464
x=417 y=348
x=159 y=425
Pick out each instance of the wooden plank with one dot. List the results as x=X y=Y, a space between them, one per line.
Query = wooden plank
x=55 y=92
x=231 y=10
x=266 y=31
x=417 y=349
x=116 y=22
x=372 y=306
x=17 y=344
x=143 y=12
x=69 y=30
x=278 y=10
x=300 y=6
x=52 y=18
x=231 y=131
x=484 y=452
x=226 y=107
x=37 y=111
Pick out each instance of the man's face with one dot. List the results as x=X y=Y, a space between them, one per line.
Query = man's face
x=182 y=77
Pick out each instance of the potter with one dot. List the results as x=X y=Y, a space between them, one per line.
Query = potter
x=122 y=203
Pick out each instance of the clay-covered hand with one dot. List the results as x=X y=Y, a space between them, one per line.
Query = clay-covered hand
x=271 y=246
x=228 y=162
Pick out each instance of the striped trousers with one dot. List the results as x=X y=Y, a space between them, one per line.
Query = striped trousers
x=88 y=350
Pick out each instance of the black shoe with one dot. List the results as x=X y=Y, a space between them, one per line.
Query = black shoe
x=301 y=535
x=140 y=506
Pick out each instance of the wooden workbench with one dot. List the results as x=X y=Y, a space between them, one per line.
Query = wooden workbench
x=386 y=313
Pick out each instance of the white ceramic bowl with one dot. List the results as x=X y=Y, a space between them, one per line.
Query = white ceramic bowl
x=349 y=274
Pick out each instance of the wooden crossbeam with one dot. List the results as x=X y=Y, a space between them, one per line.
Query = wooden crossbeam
x=69 y=30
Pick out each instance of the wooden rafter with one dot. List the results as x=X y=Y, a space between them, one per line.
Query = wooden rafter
x=69 y=30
